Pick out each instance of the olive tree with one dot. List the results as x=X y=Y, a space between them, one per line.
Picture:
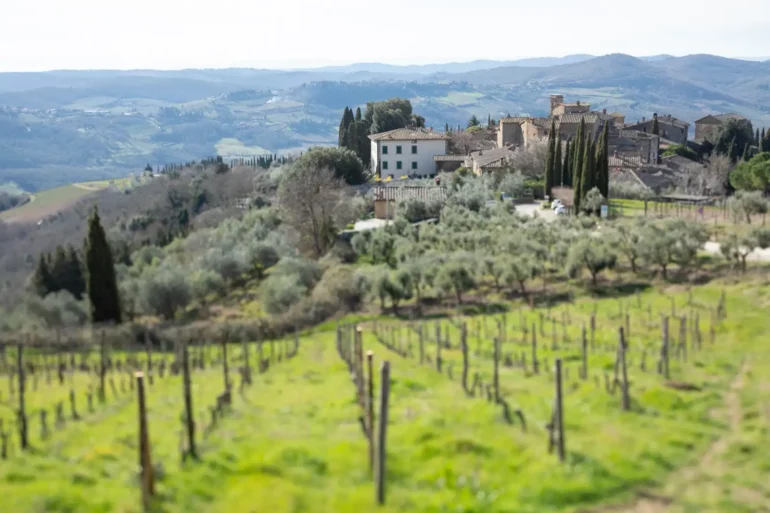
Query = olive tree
x=744 y=204
x=164 y=292
x=592 y=254
x=519 y=269
x=456 y=275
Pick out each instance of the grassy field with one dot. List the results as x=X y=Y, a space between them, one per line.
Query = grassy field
x=293 y=442
x=52 y=201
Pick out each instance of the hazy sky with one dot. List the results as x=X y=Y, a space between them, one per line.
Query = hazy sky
x=172 y=34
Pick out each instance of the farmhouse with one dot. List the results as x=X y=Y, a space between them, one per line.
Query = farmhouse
x=707 y=128
x=407 y=152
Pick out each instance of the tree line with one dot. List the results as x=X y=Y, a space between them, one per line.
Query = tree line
x=355 y=127
x=583 y=165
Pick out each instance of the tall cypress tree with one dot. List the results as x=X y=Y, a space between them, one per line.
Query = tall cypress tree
x=101 y=283
x=41 y=281
x=588 y=175
x=603 y=175
x=558 y=178
x=577 y=170
x=76 y=282
x=655 y=127
x=549 y=160
x=342 y=133
x=746 y=153
x=765 y=140
x=446 y=128
x=351 y=137
x=358 y=114
x=732 y=151
x=566 y=171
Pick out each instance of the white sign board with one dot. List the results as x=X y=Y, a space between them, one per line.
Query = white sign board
x=605 y=211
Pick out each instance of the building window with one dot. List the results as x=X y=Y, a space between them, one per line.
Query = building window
x=398 y=150
x=384 y=150
x=385 y=165
x=414 y=149
x=414 y=165
x=398 y=164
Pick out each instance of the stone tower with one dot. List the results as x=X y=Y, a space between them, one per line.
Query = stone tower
x=556 y=100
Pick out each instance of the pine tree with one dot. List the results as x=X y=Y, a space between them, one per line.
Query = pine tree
x=101 y=282
x=577 y=162
x=41 y=281
x=566 y=170
x=558 y=178
x=655 y=127
x=746 y=153
x=549 y=160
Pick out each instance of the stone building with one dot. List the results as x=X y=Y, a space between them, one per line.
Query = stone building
x=669 y=127
x=707 y=128
x=629 y=144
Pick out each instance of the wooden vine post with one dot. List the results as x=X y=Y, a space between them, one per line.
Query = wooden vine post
x=584 y=348
x=370 y=406
x=625 y=397
x=382 y=432
x=102 y=367
x=464 y=348
x=24 y=440
x=534 y=350
x=559 y=413
x=438 y=347
x=145 y=461
x=188 y=404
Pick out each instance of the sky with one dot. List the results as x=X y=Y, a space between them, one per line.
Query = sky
x=40 y=35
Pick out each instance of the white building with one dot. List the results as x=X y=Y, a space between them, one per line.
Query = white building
x=407 y=152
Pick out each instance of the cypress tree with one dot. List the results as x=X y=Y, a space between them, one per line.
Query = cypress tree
x=59 y=269
x=603 y=181
x=446 y=128
x=765 y=140
x=655 y=127
x=549 y=160
x=577 y=169
x=76 y=282
x=489 y=120
x=732 y=151
x=351 y=137
x=746 y=153
x=342 y=135
x=358 y=114
x=566 y=171
x=101 y=282
x=587 y=176
x=558 y=178
x=41 y=281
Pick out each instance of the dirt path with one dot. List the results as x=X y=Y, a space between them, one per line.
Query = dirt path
x=689 y=476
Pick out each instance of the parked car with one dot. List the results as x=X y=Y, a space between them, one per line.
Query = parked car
x=560 y=210
x=556 y=204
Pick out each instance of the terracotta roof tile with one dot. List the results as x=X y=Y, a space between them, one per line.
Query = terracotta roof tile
x=408 y=134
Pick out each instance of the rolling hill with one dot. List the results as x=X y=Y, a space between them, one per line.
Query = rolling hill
x=61 y=127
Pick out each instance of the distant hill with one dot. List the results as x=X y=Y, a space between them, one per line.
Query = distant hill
x=61 y=127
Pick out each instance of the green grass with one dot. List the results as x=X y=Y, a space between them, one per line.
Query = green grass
x=46 y=203
x=293 y=442
x=231 y=148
